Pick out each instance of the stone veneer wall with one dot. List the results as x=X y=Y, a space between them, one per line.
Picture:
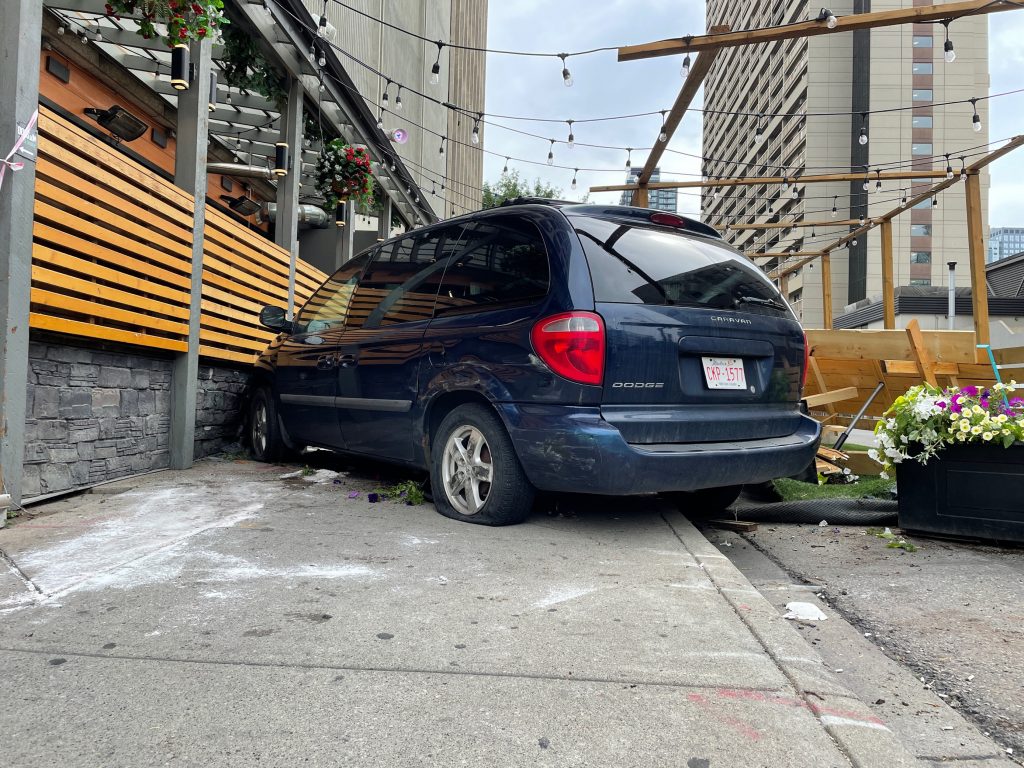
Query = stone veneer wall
x=101 y=414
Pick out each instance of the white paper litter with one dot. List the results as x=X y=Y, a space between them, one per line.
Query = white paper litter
x=804 y=612
x=823 y=524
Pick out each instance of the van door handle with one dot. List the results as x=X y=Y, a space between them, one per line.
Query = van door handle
x=346 y=361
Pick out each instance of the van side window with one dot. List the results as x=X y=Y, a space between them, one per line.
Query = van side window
x=400 y=284
x=503 y=262
x=328 y=307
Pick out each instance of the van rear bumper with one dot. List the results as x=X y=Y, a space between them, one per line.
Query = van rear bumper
x=572 y=449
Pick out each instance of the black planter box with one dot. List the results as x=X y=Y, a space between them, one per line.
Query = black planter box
x=975 y=491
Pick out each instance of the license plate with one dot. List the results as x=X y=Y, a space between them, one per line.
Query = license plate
x=724 y=372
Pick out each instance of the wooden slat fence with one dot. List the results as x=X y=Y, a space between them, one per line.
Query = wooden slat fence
x=111 y=255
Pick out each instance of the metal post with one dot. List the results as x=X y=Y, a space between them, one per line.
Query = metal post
x=952 y=295
x=19 y=94
x=190 y=174
x=287 y=225
x=348 y=232
x=384 y=224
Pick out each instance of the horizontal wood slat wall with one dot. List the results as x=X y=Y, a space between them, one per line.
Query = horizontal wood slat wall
x=111 y=243
x=112 y=251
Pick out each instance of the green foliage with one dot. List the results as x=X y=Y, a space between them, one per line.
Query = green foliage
x=246 y=68
x=185 y=21
x=307 y=470
x=511 y=185
x=343 y=172
x=893 y=541
x=408 y=491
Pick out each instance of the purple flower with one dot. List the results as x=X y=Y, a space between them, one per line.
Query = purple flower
x=970 y=390
x=941 y=404
x=1016 y=402
x=956 y=408
x=373 y=498
x=353 y=494
x=984 y=402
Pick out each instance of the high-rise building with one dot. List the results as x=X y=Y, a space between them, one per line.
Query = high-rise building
x=379 y=37
x=1004 y=242
x=810 y=98
x=659 y=199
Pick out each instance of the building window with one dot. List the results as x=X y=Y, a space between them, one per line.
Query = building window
x=922 y=68
x=921 y=149
x=921 y=94
x=921 y=257
x=922 y=121
x=920 y=230
x=921 y=281
x=796 y=295
x=922 y=41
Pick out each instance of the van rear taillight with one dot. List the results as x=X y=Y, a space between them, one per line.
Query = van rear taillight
x=572 y=344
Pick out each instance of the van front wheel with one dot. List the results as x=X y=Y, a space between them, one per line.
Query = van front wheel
x=474 y=471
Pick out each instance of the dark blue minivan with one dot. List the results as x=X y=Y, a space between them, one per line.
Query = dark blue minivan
x=545 y=346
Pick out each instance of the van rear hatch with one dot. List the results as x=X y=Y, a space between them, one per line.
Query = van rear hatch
x=700 y=345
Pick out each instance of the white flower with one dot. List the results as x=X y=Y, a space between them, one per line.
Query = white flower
x=884 y=475
x=873 y=454
x=986 y=436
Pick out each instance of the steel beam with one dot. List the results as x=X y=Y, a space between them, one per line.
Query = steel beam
x=20 y=38
x=190 y=174
x=286 y=228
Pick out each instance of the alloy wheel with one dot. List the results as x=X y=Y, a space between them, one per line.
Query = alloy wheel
x=467 y=470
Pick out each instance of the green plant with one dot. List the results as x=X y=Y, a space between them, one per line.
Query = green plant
x=892 y=540
x=307 y=471
x=407 y=490
x=246 y=68
x=185 y=21
x=343 y=172
x=926 y=419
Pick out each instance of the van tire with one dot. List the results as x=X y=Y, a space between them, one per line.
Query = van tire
x=264 y=430
x=471 y=443
x=706 y=502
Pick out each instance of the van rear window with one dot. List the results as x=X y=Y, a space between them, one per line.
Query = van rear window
x=650 y=265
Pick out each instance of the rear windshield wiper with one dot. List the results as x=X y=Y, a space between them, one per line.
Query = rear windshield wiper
x=762 y=302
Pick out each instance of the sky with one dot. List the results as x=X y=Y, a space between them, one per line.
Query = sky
x=528 y=86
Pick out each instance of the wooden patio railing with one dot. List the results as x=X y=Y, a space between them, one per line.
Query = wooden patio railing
x=112 y=249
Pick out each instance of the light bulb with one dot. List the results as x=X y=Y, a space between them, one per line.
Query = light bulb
x=854 y=241
x=785 y=185
x=322 y=86
x=60 y=30
x=863 y=138
x=551 y=158
x=949 y=55
x=716 y=194
x=322 y=61
x=949 y=172
x=572 y=141
x=878 y=186
x=384 y=99
x=935 y=202
x=573 y=185
x=435 y=74
x=398 y=103
x=794 y=194
x=831 y=21
x=475 y=136
x=963 y=174
x=758 y=135
x=567 y=78
x=835 y=212
x=866 y=185
x=861 y=219
x=976 y=123
x=663 y=136
x=685 y=70
x=83 y=39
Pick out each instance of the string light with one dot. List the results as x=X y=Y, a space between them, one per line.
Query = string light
x=629 y=161
x=828 y=17
x=976 y=119
x=759 y=131
x=435 y=70
x=861 y=219
x=440 y=149
x=505 y=169
x=398 y=99
x=935 y=202
x=475 y=135
x=867 y=182
x=863 y=138
x=61 y=28
x=903 y=201
x=794 y=193
x=785 y=182
x=684 y=71
x=571 y=142
x=384 y=97
x=380 y=120
x=878 y=182
x=663 y=136
x=322 y=60
x=573 y=184
x=83 y=39
x=551 y=153
x=948 y=54
x=835 y=211
x=949 y=168
x=566 y=74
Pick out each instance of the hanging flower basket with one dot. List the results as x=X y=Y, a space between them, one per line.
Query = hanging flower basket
x=343 y=173
x=184 y=21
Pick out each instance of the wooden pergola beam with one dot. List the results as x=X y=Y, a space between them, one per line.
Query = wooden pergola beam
x=826 y=289
x=972 y=170
x=714 y=40
x=755 y=180
x=698 y=71
x=792 y=224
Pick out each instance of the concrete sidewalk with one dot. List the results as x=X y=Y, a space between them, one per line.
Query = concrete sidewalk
x=226 y=616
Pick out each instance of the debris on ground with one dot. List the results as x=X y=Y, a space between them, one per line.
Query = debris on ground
x=894 y=541
x=804 y=612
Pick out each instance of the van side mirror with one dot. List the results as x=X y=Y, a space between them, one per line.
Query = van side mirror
x=274 y=319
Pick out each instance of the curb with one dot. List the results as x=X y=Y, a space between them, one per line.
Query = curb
x=865 y=739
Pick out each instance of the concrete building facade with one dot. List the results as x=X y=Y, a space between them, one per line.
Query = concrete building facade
x=659 y=199
x=456 y=175
x=815 y=96
x=1004 y=242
